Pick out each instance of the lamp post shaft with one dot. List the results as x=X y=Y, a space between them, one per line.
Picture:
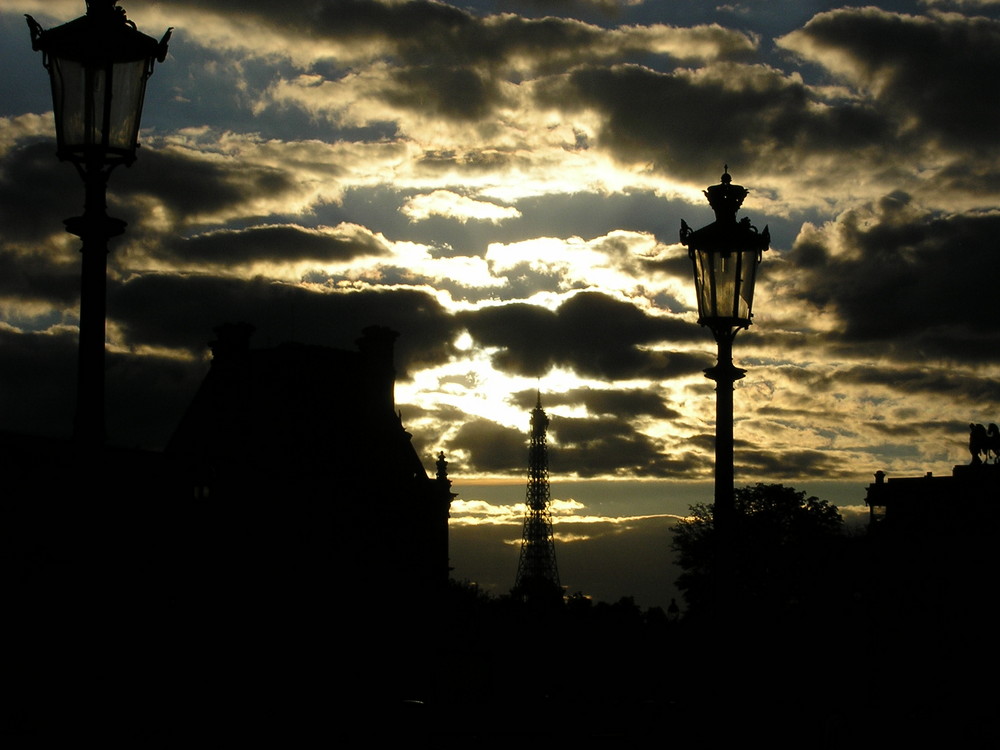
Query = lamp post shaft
x=89 y=426
x=725 y=375
x=94 y=228
x=724 y=514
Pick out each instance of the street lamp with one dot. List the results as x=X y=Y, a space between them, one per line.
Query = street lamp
x=725 y=255
x=98 y=65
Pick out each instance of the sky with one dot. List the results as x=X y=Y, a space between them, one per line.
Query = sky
x=503 y=183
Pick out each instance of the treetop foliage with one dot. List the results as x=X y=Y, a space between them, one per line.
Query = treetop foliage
x=781 y=545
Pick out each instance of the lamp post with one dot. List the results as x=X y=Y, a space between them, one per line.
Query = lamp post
x=725 y=255
x=98 y=66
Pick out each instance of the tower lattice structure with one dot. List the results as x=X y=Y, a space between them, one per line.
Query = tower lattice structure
x=537 y=574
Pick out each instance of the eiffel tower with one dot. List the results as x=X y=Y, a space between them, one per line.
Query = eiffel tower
x=537 y=575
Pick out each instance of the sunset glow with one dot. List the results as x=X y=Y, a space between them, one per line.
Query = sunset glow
x=503 y=184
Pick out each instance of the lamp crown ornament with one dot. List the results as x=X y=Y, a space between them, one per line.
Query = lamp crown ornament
x=726 y=198
x=106 y=8
x=103 y=6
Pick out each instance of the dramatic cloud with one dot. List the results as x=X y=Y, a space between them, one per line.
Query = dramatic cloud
x=595 y=334
x=926 y=71
x=277 y=245
x=505 y=189
x=633 y=403
x=894 y=264
x=450 y=205
x=761 y=117
x=491 y=447
x=162 y=310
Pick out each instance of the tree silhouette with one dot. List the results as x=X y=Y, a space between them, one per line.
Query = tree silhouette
x=783 y=547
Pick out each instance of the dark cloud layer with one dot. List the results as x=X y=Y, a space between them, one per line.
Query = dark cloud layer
x=789 y=465
x=272 y=243
x=190 y=187
x=452 y=62
x=181 y=311
x=958 y=387
x=35 y=277
x=759 y=117
x=905 y=273
x=492 y=448
x=36 y=192
x=420 y=31
x=450 y=92
x=632 y=403
x=591 y=447
x=940 y=71
x=590 y=333
x=605 y=445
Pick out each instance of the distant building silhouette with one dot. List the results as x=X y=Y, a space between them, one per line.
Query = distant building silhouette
x=929 y=502
x=930 y=566
x=537 y=574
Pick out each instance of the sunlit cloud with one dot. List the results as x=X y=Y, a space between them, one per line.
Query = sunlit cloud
x=566 y=514
x=450 y=205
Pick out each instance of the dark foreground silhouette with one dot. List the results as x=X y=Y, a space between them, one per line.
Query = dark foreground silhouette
x=132 y=629
x=145 y=614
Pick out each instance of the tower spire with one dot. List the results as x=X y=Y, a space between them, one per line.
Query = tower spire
x=537 y=575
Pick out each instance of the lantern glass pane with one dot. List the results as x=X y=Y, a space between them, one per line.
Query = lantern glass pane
x=749 y=270
x=724 y=283
x=74 y=110
x=128 y=86
x=703 y=284
x=98 y=106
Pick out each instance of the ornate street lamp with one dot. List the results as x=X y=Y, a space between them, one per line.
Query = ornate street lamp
x=725 y=255
x=98 y=65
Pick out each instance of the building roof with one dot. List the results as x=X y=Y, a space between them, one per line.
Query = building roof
x=297 y=407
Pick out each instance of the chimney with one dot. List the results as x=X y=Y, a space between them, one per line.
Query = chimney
x=376 y=346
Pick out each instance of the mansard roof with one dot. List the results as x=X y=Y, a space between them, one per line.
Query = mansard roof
x=298 y=404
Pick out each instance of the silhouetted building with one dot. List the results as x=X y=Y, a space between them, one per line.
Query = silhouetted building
x=930 y=567
x=319 y=542
x=288 y=543
x=537 y=574
x=303 y=451
x=934 y=502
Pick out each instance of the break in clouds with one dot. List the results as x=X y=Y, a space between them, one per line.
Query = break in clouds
x=503 y=184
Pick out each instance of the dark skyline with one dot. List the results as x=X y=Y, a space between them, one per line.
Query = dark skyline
x=503 y=183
